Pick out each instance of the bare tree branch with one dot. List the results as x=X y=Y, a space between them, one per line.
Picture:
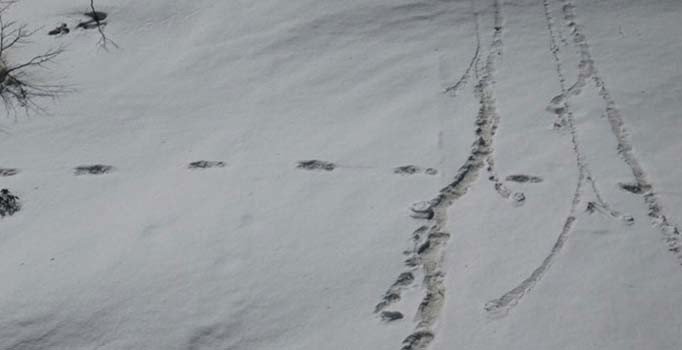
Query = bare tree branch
x=17 y=85
x=39 y=60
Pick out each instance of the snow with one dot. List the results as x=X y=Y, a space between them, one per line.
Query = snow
x=260 y=254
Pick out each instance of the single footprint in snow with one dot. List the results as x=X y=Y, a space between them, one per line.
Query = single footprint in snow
x=390 y=316
x=8 y=172
x=417 y=340
x=316 y=165
x=633 y=188
x=95 y=169
x=406 y=170
x=521 y=178
x=519 y=198
x=205 y=164
x=422 y=210
x=411 y=170
x=431 y=171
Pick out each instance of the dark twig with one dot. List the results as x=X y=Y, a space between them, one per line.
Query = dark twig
x=100 y=27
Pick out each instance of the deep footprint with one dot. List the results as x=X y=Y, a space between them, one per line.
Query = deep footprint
x=95 y=169
x=521 y=178
x=390 y=316
x=417 y=340
x=632 y=188
x=316 y=165
x=406 y=170
x=206 y=164
x=8 y=172
x=412 y=170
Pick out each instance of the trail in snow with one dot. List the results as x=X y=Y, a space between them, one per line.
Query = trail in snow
x=670 y=231
x=504 y=191
x=518 y=198
x=430 y=240
x=454 y=89
x=561 y=107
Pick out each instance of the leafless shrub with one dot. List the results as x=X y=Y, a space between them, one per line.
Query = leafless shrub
x=18 y=86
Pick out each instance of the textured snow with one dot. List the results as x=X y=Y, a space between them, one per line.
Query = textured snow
x=255 y=163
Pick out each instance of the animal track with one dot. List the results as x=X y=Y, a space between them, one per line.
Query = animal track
x=390 y=316
x=96 y=169
x=561 y=107
x=417 y=340
x=393 y=294
x=411 y=170
x=486 y=71
x=635 y=188
x=8 y=172
x=430 y=240
x=316 y=165
x=670 y=231
x=206 y=164
x=524 y=179
x=454 y=89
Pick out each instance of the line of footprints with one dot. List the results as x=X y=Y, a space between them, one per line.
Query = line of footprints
x=310 y=165
x=10 y=204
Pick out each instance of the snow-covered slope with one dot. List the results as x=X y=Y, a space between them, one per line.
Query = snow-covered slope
x=257 y=253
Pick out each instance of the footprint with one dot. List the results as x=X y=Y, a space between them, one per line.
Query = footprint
x=417 y=340
x=390 y=316
x=95 y=169
x=8 y=172
x=422 y=210
x=431 y=171
x=206 y=164
x=406 y=170
x=412 y=169
x=632 y=188
x=519 y=198
x=521 y=178
x=316 y=165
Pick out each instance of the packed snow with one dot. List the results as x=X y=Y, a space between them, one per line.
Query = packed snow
x=375 y=174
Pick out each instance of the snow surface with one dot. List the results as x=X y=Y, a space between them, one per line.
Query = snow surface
x=257 y=253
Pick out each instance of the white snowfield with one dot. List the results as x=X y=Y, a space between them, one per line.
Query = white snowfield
x=491 y=174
